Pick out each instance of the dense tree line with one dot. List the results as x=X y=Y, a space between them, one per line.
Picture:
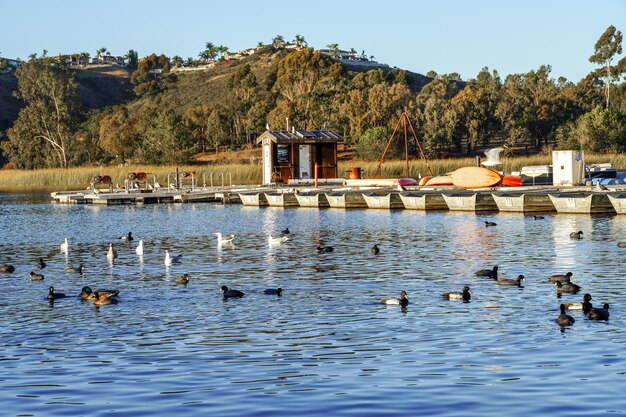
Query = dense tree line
x=310 y=90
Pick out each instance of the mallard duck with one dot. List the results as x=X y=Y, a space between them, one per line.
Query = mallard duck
x=231 y=293
x=563 y=278
x=274 y=291
x=599 y=313
x=7 y=268
x=517 y=281
x=183 y=279
x=73 y=269
x=576 y=235
x=127 y=237
x=325 y=249
x=171 y=259
x=402 y=301
x=568 y=287
x=40 y=264
x=35 y=276
x=54 y=295
x=491 y=273
x=224 y=239
x=86 y=292
x=563 y=319
x=487 y=224
x=102 y=298
x=585 y=306
x=375 y=249
x=464 y=295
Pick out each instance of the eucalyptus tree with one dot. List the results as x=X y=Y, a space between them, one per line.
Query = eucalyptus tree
x=606 y=49
x=43 y=134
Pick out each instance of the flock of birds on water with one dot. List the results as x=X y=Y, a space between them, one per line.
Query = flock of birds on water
x=562 y=282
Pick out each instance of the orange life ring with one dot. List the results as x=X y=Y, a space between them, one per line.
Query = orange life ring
x=141 y=176
x=106 y=180
x=189 y=174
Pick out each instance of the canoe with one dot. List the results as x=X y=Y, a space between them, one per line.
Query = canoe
x=439 y=180
x=405 y=181
x=475 y=177
x=511 y=181
x=424 y=180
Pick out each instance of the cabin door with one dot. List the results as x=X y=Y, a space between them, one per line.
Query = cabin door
x=267 y=164
x=304 y=162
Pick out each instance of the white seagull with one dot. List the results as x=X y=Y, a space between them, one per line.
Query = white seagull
x=221 y=239
x=112 y=253
x=139 y=248
x=493 y=157
x=277 y=240
x=171 y=259
x=65 y=246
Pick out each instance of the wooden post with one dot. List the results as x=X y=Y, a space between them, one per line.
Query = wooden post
x=316 y=175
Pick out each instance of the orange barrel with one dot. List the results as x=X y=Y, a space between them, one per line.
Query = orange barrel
x=355 y=173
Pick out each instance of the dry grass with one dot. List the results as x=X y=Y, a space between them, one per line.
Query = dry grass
x=79 y=178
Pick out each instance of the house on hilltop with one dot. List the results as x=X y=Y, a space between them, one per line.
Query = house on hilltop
x=292 y=155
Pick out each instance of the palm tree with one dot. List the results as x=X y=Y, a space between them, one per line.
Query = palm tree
x=209 y=53
x=333 y=48
x=100 y=52
x=299 y=41
x=177 y=61
x=221 y=50
x=278 y=41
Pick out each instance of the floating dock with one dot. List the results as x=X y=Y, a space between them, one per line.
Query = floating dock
x=506 y=199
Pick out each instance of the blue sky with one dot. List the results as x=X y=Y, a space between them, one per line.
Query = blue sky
x=441 y=35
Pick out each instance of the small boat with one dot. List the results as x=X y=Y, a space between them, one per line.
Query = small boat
x=475 y=177
x=439 y=180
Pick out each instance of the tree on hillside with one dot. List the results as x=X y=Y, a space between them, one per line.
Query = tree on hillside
x=84 y=58
x=152 y=75
x=600 y=130
x=210 y=52
x=218 y=128
x=299 y=41
x=133 y=59
x=221 y=51
x=177 y=61
x=42 y=135
x=606 y=49
x=166 y=139
x=333 y=48
x=278 y=41
x=196 y=118
x=244 y=86
x=100 y=53
x=117 y=135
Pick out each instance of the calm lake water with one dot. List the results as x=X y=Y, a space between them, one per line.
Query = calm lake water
x=326 y=347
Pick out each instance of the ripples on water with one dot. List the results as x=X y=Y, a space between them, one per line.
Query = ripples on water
x=326 y=346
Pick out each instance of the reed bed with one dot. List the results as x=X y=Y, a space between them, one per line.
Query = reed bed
x=80 y=178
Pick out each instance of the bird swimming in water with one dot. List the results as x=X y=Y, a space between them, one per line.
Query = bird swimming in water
x=585 y=306
x=224 y=239
x=576 y=235
x=273 y=241
x=139 y=248
x=564 y=319
x=172 y=259
x=127 y=237
x=54 y=295
x=35 y=276
x=464 y=295
x=183 y=279
x=65 y=246
x=7 y=268
x=375 y=249
x=285 y=231
x=112 y=253
x=274 y=291
x=517 y=281
x=568 y=287
x=491 y=273
x=538 y=217
x=402 y=301
x=231 y=293
x=563 y=278
x=599 y=313
x=86 y=292
x=325 y=249
x=40 y=264
x=73 y=269
x=487 y=224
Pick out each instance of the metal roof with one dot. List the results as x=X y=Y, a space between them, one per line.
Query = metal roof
x=286 y=136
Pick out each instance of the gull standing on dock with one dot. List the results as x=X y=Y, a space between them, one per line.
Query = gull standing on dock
x=224 y=239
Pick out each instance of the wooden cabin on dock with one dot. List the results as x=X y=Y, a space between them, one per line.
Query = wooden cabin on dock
x=292 y=155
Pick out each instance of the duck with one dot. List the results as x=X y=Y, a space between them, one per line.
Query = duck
x=621 y=245
x=585 y=306
x=564 y=319
x=54 y=295
x=285 y=231
x=559 y=277
x=128 y=237
x=183 y=279
x=139 y=248
x=112 y=253
x=7 y=268
x=464 y=295
x=576 y=235
x=171 y=259
x=274 y=291
x=375 y=249
x=73 y=269
x=65 y=246
x=224 y=239
x=40 y=264
x=277 y=240
x=402 y=301
x=517 y=281
x=568 y=287
x=491 y=273
x=35 y=276
x=231 y=293
x=87 y=292
x=325 y=249
x=539 y=217
x=102 y=298
x=487 y=224
x=599 y=313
